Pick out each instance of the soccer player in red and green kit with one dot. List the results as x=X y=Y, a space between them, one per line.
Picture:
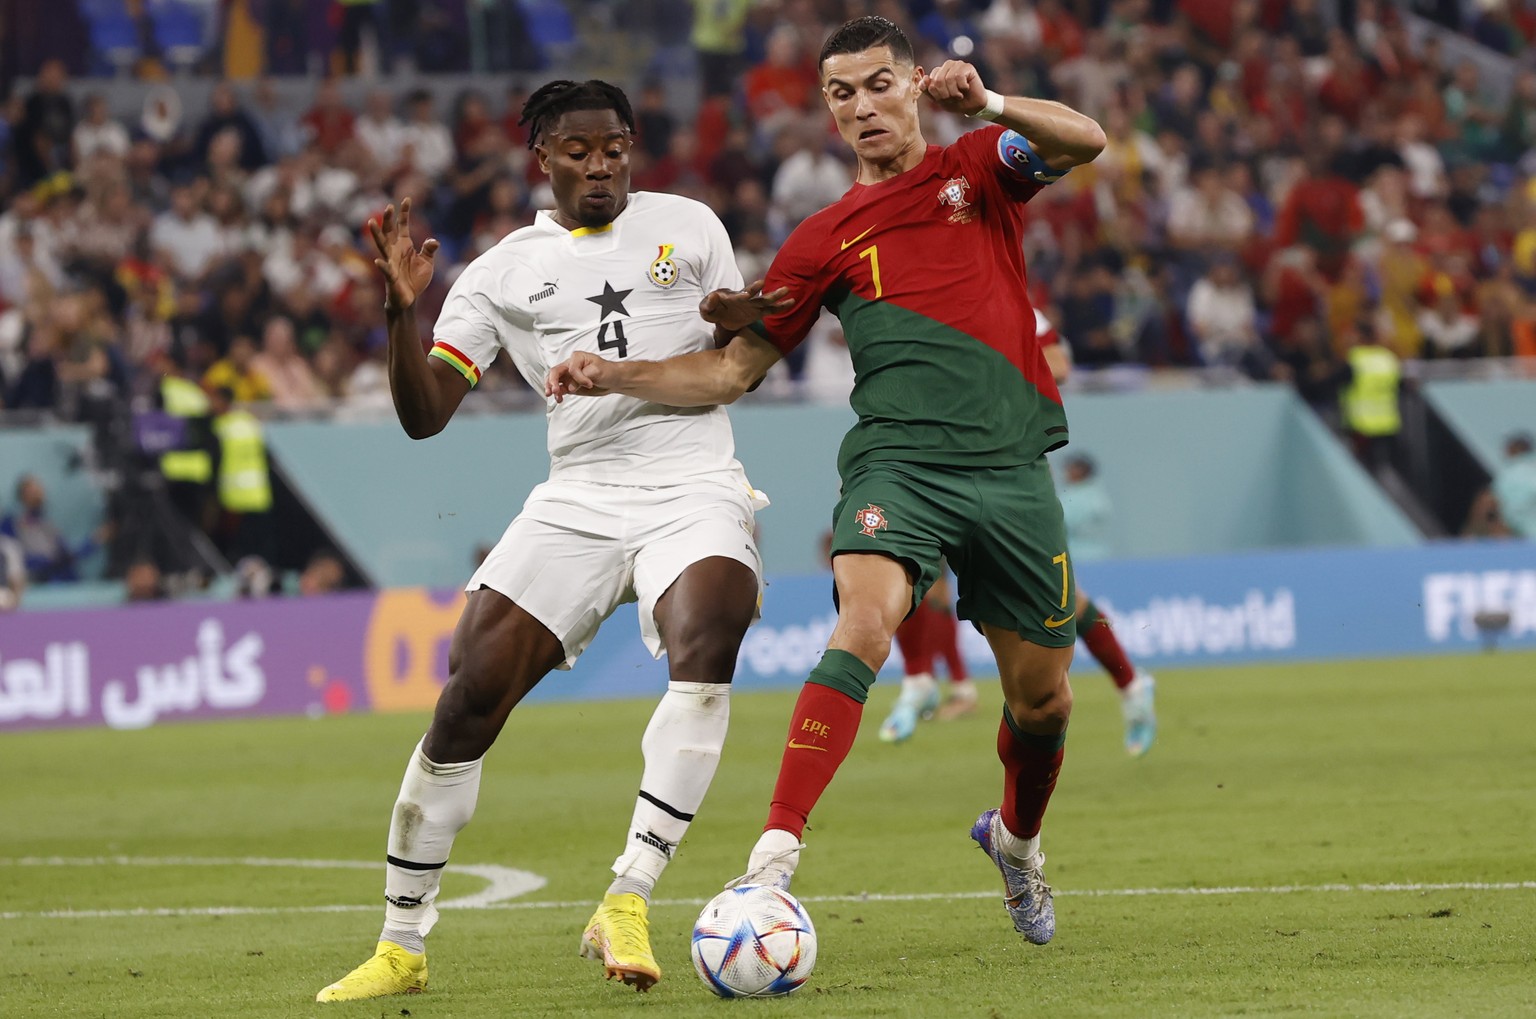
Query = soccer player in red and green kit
x=922 y=262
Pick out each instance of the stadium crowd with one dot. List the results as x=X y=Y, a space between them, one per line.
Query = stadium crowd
x=1282 y=183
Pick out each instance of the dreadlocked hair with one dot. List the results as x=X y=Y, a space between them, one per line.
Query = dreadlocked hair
x=546 y=105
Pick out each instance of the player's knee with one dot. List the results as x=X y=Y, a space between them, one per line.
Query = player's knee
x=863 y=631
x=706 y=656
x=1042 y=710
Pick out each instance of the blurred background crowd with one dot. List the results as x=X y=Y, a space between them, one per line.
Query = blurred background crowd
x=1287 y=182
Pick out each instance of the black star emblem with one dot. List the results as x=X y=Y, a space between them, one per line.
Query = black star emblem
x=611 y=301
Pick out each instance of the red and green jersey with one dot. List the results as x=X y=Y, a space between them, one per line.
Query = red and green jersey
x=926 y=273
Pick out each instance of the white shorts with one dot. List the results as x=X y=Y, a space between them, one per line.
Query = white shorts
x=579 y=550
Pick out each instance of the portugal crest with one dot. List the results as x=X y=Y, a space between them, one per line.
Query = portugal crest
x=952 y=194
x=663 y=270
x=870 y=519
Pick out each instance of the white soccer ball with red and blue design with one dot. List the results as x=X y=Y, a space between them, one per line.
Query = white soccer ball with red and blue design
x=755 y=941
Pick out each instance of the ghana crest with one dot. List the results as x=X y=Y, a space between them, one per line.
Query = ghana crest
x=870 y=519
x=663 y=271
x=952 y=194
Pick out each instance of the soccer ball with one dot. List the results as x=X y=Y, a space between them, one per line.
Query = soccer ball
x=754 y=941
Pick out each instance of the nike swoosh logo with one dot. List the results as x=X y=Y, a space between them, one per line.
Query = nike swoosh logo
x=806 y=746
x=1052 y=623
x=857 y=239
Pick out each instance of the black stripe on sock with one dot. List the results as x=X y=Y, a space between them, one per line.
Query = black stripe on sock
x=410 y=865
x=653 y=801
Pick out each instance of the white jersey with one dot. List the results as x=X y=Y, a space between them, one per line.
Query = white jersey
x=628 y=290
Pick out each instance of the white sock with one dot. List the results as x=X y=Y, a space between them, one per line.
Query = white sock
x=436 y=800
x=1019 y=850
x=917 y=686
x=682 y=749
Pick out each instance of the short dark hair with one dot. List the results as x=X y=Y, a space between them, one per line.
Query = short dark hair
x=866 y=33
x=546 y=105
x=1518 y=443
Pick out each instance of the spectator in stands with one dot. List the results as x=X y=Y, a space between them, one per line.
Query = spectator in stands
x=1208 y=218
x=1315 y=369
x=142 y=582
x=97 y=132
x=1223 y=317
x=360 y=18
x=808 y=181
x=379 y=130
x=185 y=238
x=41 y=142
x=237 y=372
x=654 y=122
x=292 y=382
x=1447 y=325
x=1322 y=212
x=1507 y=507
x=46 y=554
x=281 y=133
x=427 y=146
x=1517 y=131
x=323 y=574
x=330 y=122
x=1475 y=121
x=227 y=117
x=779 y=90
x=13 y=574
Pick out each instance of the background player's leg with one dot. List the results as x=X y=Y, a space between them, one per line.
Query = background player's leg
x=946 y=644
x=874 y=594
x=1136 y=687
x=702 y=619
x=499 y=653
x=919 y=692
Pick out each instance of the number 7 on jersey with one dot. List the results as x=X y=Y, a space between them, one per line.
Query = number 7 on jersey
x=873 y=254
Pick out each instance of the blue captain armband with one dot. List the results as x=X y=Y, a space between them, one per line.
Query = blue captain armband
x=1020 y=157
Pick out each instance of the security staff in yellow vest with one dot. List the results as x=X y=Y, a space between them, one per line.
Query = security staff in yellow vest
x=1370 y=401
x=188 y=470
x=244 y=482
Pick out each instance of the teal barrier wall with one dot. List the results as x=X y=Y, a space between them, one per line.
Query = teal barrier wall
x=74 y=502
x=1482 y=413
x=1190 y=472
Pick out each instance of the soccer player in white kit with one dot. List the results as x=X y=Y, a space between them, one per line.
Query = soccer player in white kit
x=644 y=503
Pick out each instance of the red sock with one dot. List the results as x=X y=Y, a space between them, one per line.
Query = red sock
x=1105 y=646
x=821 y=733
x=912 y=638
x=946 y=645
x=1030 y=764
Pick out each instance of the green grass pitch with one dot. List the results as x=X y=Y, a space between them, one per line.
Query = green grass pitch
x=1321 y=779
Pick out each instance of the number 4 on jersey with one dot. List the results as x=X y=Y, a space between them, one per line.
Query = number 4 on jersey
x=618 y=342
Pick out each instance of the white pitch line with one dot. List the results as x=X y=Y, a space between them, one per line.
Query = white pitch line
x=477 y=902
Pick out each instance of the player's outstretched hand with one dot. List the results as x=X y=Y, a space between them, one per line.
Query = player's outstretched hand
x=956 y=87
x=582 y=374
x=734 y=310
x=407 y=270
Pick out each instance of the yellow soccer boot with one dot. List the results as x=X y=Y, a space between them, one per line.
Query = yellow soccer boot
x=619 y=935
x=392 y=970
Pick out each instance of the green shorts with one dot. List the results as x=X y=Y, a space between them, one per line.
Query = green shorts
x=1000 y=528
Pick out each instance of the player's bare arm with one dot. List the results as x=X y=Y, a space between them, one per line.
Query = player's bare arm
x=1060 y=135
x=706 y=378
x=426 y=390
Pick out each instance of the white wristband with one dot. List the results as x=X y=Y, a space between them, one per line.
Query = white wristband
x=993 y=109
